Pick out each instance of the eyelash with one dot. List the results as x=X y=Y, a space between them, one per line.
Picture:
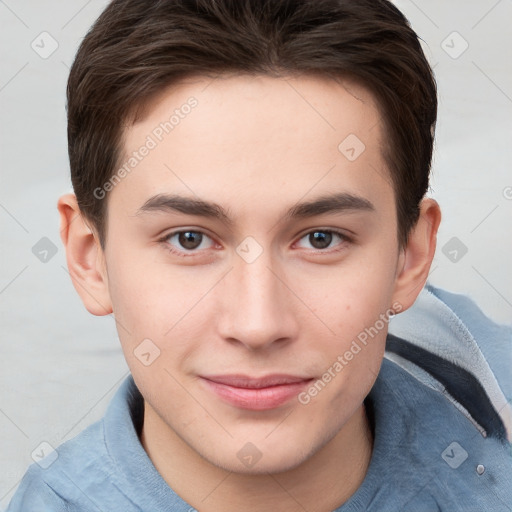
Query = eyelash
x=186 y=254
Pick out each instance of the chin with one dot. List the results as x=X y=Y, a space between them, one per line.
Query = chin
x=266 y=465
x=257 y=459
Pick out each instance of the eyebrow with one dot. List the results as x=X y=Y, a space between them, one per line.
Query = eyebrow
x=331 y=203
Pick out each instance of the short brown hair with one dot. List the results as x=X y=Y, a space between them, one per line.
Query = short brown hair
x=137 y=48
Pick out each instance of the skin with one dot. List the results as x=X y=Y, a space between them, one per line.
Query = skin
x=256 y=146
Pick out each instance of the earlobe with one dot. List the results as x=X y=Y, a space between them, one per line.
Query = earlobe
x=416 y=259
x=84 y=257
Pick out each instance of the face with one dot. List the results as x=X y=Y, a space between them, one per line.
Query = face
x=251 y=261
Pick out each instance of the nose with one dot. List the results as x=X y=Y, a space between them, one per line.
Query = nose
x=257 y=308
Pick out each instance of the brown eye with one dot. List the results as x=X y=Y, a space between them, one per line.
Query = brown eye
x=187 y=241
x=321 y=239
x=190 y=239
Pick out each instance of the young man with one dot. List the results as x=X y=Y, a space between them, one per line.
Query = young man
x=250 y=180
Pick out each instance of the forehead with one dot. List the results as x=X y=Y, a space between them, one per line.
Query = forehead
x=306 y=103
x=257 y=135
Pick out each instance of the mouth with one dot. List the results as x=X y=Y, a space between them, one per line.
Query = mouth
x=256 y=393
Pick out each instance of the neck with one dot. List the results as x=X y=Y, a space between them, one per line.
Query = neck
x=322 y=483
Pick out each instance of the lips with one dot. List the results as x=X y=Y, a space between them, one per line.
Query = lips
x=256 y=393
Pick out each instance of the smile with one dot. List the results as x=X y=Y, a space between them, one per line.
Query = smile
x=257 y=394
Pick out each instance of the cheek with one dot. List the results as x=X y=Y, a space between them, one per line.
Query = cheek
x=143 y=294
x=157 y=312
x=354 y=303
x=358 y=313
x=352 y=298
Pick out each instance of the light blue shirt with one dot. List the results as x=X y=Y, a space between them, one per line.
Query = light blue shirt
x=440 y=430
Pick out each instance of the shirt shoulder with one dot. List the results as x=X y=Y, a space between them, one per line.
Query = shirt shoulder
x=493 y=339
x=448 y=344
x=105 y=467
x=34 y=495
x=443 y=410
x=61 y=481
x=46 y=484
x=427 y=455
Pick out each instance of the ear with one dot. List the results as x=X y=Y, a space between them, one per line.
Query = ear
x=85 y=258
x=415 y=260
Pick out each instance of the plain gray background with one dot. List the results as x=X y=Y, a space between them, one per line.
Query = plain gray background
x=60 y=365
